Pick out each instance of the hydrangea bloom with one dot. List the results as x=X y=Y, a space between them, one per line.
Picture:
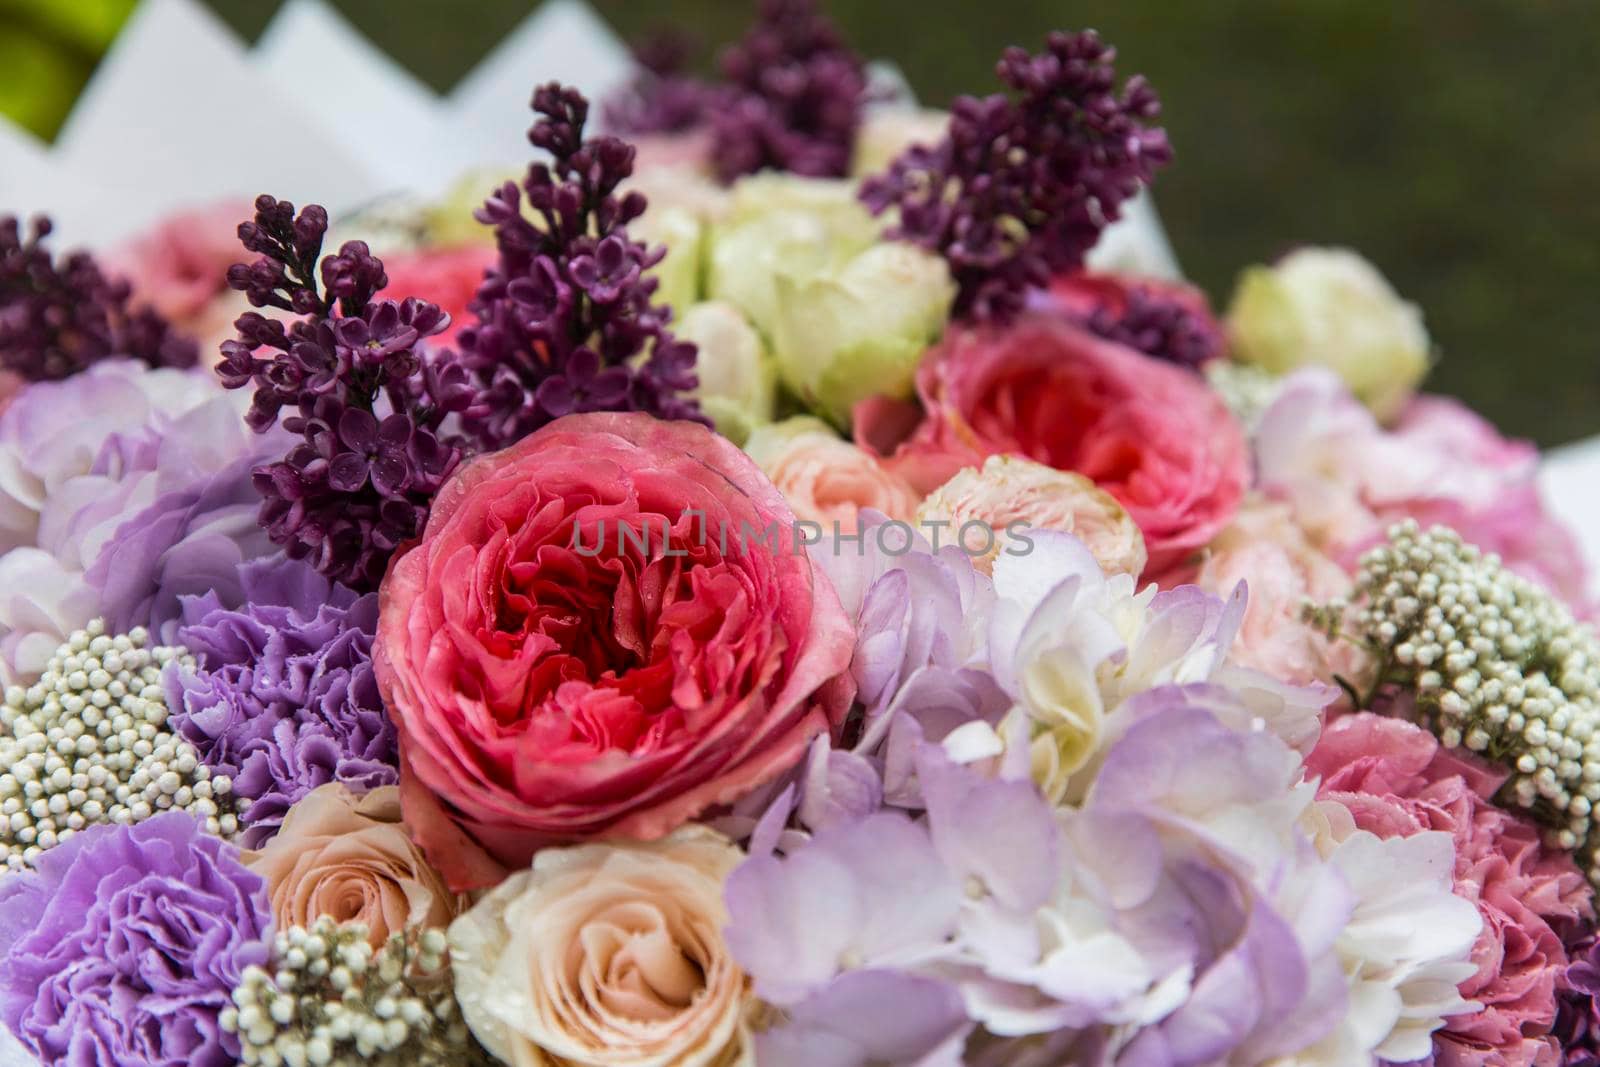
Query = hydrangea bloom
x=1182 y=924
x=141 y=498
x=124 y=946
x=284 y=699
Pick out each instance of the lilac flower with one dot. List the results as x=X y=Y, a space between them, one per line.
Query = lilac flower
x=284 y=698
x=1058 y=161
x=565 y=322
x=126 y=943
x=660 y=99
x=367 y=399
x=794 y=96
x=58 y=316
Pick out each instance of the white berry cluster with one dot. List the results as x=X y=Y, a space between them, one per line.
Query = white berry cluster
x=88 y=743
x=1498 y=665
x=331 y=1001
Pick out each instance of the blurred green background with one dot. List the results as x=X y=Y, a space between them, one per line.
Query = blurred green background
x=1454 y=142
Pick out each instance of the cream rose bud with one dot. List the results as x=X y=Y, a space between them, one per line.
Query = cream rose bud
x=680 y=232
x=825 y=478
x=860 y=331
x=887 y=131
x=607 y=954
x=349 y=857
x=1019 y=494
x=782 y=226
x=1331 y=307
x=738 y=383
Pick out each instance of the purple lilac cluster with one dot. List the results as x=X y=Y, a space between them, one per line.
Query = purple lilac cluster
x=59 y=315
x=366 y=397
x=794 y=95
x=1021 y=187
x=566 y=314
x=126 y=943
x=284 y=698
x=1159 y=326
x=660 y=99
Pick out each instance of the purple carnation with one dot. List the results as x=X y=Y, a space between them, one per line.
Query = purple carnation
x=126 y=943
x=284 y=699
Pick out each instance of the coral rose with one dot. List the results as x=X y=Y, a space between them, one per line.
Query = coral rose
x=448 y=277
x=1397 y=781
x=586 y=641
x=1010 y=491
x=607 y=954
x=348 y=857
x=1149 y=433
x=825 y=478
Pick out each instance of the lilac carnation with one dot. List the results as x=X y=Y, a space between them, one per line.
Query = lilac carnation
x=126 y=943
x=284 y=699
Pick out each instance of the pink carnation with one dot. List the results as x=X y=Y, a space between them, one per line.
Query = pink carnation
x=1348 y=479
x=1149 y=433
x=1396 y=781
x=554 y=680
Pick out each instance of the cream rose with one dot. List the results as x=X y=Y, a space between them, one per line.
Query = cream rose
x=1331 y=307
x=349 y=857
x=1016 y=493
x=825 y=478
x=607 y=954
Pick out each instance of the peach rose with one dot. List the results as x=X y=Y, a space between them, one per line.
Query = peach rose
x=604 y=954
x=1010 y=491
x=825 y=478
x=349 y=857
x=1264 y=548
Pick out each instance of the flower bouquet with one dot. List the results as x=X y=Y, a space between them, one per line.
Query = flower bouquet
x=774 y=586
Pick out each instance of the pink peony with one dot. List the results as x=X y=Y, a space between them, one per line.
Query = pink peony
x=1347 y=479
x=1263 y=548
x=552 y=680
x=1149 y=433
x=448 y=277
x=1396 y=781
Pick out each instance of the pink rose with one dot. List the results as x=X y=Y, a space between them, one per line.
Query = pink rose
x=825 y=478
x=1149 y=433
x=1263 y=548
x=552 y=679
x=180 y=267
x=448 y=277
x=1347 y=479
x=1396 y=781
